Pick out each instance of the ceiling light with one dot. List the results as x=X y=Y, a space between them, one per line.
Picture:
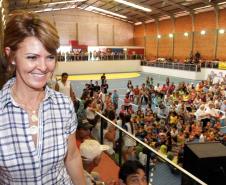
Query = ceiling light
x=151 y=20
x=134 y=5
x=159 y=36
x=91 y=8
x=222 y=3
x=64 y=2
x=186 y=34
x=204 y=7
x=164 y=17
x=138 y=23
x=221 y=31
x=170 y=35
x=203 y=32
x=54 y=9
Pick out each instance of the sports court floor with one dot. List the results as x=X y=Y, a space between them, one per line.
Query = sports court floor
x=119 y=81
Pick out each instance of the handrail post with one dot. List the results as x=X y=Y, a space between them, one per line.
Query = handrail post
x=120 y=148
x=153 y=151
x=101 y=131
x=148 y=166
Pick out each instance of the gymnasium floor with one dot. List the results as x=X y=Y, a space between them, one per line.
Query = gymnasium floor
x=119 y=80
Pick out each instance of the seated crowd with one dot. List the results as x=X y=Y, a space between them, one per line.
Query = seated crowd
x=167 y=116
x=164 y=116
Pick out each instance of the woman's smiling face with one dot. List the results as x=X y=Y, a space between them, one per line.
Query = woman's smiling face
x=34 y=64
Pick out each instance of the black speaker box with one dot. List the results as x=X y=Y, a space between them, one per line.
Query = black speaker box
x=207 y=161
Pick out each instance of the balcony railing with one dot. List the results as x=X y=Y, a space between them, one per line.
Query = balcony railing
x=173 y=65
x=160 y=169
x=67 y=57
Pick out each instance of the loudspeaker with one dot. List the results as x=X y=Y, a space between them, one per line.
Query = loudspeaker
x=207 y=161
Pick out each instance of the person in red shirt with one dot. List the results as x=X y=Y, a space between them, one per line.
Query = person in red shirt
x=127 y=101
x=164 y=89
x=171 y=88
x=136 y=92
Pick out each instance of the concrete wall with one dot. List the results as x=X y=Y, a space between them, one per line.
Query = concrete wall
x=90 y=28
x=181 y=73
x=88 y=67
x=123 y=66
x=210 y=45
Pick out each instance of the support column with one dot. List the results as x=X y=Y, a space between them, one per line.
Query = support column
x=216 y=32
x=98 y=41
x=134 y=35
x=192 y=34
x=145 y=39
x=157 y=26
x=173 y=39
x=113 y=35
x=76 y=29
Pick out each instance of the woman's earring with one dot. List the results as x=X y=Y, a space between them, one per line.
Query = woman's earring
x=13 y=63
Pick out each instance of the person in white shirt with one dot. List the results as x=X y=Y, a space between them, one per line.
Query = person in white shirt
x=129 y=143
x=202 y=138
x=201 y=112
x=64 y=86
x=91 y=151
x=212 y=113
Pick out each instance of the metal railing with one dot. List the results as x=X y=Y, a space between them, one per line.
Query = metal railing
x=68 y=57
x=210 y=64
x=173 y=65
x=164 y=166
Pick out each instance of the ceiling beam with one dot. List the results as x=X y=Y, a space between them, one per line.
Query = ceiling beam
x=106 y=3
x=130 y=9
x=179 y=6
x=207 y=2
x=152 y=8
x=87 y=5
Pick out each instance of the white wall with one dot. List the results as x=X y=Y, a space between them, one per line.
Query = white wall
x=207 y=71
x=121 y=66
x=92 y=67
x=181 y=73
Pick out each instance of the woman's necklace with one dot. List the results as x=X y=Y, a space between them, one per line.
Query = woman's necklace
x=32 y=112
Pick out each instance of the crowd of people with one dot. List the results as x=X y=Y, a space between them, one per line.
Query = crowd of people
x=42 y=141
x=84 y=55
x=165 y=116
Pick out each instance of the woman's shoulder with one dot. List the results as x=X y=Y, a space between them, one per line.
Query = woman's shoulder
x=5 y=91
x=57 y=96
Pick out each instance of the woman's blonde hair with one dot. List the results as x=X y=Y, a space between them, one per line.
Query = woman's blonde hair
x=23 y=24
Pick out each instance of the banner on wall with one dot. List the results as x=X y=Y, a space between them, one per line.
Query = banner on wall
x=222 y=65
